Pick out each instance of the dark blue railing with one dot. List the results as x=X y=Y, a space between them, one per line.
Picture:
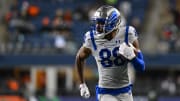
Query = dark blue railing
x=63 y=59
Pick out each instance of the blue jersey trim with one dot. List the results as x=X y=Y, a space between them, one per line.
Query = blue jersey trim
x=126 y=34
x=97 y=93
x=92 y=40
x=112 y=91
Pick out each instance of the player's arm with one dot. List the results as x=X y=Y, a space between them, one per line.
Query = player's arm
x=138 y=61
x=81 y=56
x=131 y=51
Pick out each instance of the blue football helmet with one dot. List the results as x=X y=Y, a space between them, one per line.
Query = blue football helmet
x=105 y=20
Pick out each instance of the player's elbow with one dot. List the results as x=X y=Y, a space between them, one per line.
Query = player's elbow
x=141 y=67
x=79 y=58
x=138 y=64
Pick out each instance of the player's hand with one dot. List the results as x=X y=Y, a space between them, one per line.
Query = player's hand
x=84 y=91
x=127 y=51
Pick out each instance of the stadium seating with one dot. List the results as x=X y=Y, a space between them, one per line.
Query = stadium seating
x=48 y=8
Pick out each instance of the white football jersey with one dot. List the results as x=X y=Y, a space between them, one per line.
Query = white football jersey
x=112 y=68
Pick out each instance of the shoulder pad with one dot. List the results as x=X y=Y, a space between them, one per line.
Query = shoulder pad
x=132 y=31
x=87 y=36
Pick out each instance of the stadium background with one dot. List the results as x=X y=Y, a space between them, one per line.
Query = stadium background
x=39 y=40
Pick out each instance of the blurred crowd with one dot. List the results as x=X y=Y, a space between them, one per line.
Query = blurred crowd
x=58 y=26
x=168 y=29
x=13 y=84
x=30 y=26
x=160 y=82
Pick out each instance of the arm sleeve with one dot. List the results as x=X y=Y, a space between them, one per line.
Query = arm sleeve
x=138 y=62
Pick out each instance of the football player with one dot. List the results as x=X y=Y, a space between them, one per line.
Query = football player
x=113 y=47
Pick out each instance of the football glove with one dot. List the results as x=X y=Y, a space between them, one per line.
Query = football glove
x=127 y=51
x=84 y=91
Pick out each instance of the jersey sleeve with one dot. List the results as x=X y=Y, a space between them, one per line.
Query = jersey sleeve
x=132 y=34
x=87 y=40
